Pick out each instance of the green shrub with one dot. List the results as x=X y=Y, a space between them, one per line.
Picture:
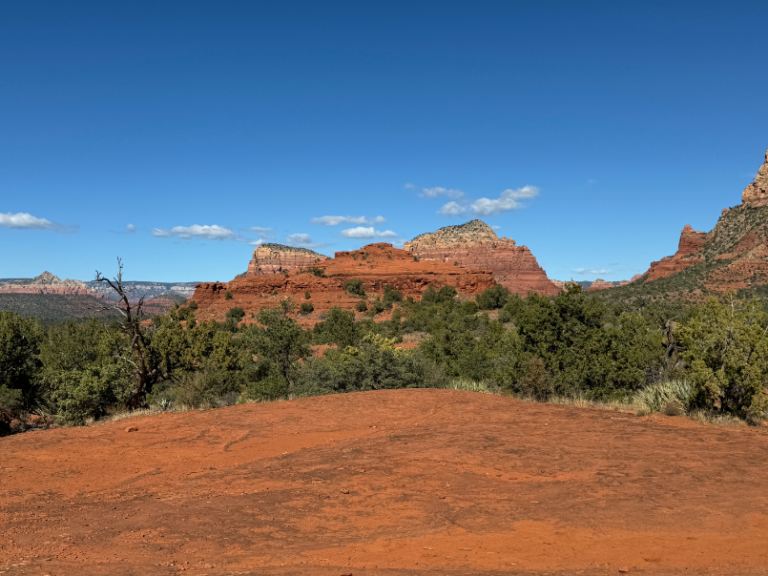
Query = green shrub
x=235 y=314
x=493 y=298
x=306 y=308
x=391 y=296
x=361 y=306
x=307 y=295
x=535 y=381
x=378 y=306
x=339 y=328
x=192 y=305
x=227 y=295
x=20 y=340
x=354 y=287
x=319 y=272
x=446 y=294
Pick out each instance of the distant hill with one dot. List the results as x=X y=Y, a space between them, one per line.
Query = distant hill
x=54 y=306
x=148 y=289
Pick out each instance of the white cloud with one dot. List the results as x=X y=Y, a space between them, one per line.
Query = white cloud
x=409 y=186
x=256 y=242
x=213 y=232
x=130 y=229
x=303 y=240
x=496 y=227
x=506 y=201
x=262 y=233
x=363 y=232
x=24 y=220
x=440 y=191
x=452 y=209
x=336 y=220
x=591 y=271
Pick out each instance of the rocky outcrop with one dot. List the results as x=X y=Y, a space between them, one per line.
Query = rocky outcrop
x=690 y=243
x=733 y=256
x=475 y=245
x=375 y=265
x=271 y=259
x=601 y=284
x=756 y=193
x=47 y=283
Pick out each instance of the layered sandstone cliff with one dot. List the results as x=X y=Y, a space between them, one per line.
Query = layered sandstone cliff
x=375 y=265
x=271 y=259
x=476 y=245
x=47 y=283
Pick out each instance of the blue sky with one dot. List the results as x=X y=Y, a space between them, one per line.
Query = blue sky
x=591 y=132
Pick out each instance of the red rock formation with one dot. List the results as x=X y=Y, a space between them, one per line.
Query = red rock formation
x=47 y=283
x=756 y=193
x=476 y=245
x=376 y=265
x=271 y=259
x=601 y=284
x=735 y=251
x=690 y=242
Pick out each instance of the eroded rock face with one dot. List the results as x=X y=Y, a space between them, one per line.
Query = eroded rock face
x=757 y=192
x=271 y=259
x=733 y=256
x=690 y=243
x=475 y=245
x=47 y=283
x=375 y=265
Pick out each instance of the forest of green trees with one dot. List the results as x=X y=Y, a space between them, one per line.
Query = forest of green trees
x=536 y=347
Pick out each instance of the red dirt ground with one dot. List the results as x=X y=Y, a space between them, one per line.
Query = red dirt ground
x=407 y=482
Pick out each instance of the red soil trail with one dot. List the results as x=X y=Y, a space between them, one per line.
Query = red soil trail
x=407 y=482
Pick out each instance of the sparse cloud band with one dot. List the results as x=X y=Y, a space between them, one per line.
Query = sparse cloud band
x=336 y=220
x=25 y=221
x=367 y=232
x=206 y=232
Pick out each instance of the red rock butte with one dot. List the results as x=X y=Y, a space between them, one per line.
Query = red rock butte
x=375 y=265
x=475 y=245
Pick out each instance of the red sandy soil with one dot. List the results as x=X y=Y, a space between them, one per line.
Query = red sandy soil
x=407 y=482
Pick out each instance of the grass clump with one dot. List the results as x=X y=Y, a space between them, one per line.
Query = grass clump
x=673 y=398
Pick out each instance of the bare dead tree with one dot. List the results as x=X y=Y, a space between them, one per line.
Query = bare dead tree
x=132 y=327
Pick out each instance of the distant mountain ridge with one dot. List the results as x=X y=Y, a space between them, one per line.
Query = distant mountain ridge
x=47 y=283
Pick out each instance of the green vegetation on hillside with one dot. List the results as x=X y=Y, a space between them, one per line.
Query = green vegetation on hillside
x=572 y=345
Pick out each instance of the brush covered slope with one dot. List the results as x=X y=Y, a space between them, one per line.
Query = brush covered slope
x=269 y=259
x=375 y=266
x=733 y=256
x=476 y=245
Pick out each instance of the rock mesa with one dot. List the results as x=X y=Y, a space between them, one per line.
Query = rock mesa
x=376 y=265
